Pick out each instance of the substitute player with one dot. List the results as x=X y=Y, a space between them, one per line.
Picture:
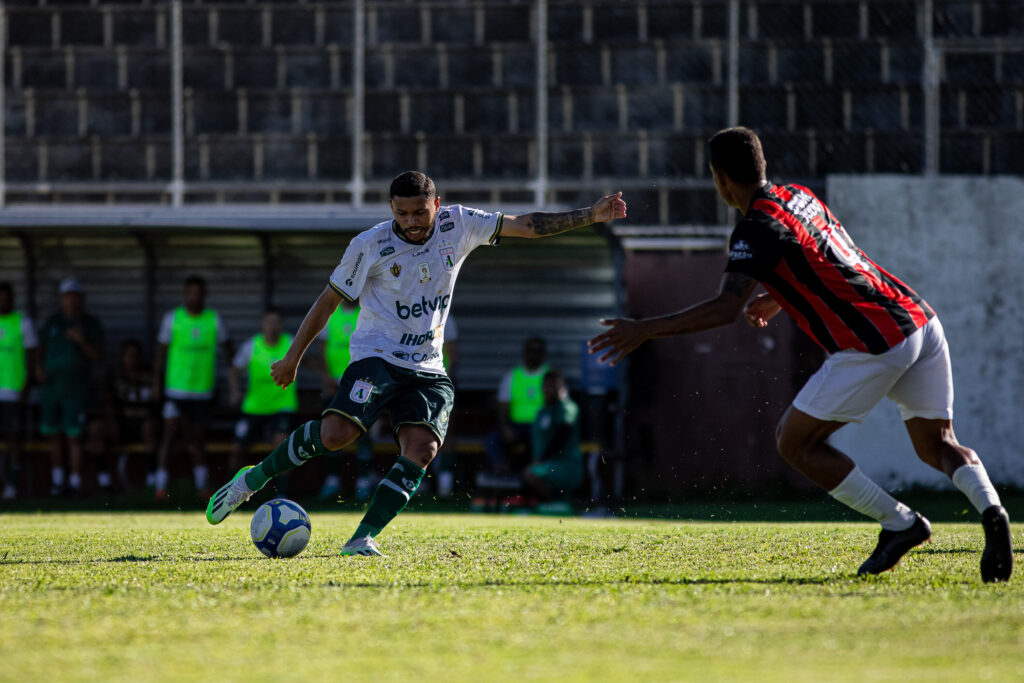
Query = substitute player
x=883 y=340
x=403 y=272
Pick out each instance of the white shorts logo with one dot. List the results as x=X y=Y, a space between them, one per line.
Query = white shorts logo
x=361 y=391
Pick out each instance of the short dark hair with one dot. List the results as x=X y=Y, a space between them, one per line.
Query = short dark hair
x=195 y=280
x=737 y=153
x=7 y=287
x=272 y=310
x=413 y=184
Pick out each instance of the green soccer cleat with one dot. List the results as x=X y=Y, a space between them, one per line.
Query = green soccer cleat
x=228 y=497
x=364 y=546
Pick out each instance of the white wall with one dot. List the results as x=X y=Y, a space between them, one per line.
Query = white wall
x=959 y=242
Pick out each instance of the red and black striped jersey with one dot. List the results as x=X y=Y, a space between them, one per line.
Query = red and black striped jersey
x=792 y=244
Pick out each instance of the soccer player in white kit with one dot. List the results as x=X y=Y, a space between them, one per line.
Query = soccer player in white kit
x=403 y=272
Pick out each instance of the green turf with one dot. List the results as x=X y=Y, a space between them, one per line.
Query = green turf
x=149 y=597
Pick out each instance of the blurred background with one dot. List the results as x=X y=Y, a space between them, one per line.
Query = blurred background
x=248 y=141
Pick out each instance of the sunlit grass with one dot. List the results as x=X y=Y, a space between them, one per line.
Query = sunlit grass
x=462 y=597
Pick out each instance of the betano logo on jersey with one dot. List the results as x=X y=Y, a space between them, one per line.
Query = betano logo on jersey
x=423 y=307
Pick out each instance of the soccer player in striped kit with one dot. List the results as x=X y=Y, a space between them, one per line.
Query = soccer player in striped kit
x=881 y=337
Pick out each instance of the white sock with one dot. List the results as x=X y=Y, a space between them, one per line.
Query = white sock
x=75 y=481
x=160 y=481
x=103 y=479
x=57 y=476
x=866 y=497
x=199 y=475
x=974 y=482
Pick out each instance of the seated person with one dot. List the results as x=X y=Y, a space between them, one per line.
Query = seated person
x=557 y=468
x=131 y=412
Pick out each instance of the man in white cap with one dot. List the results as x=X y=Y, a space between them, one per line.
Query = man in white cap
x=71 y=342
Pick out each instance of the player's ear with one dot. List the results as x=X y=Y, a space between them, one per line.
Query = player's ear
x=437 y=202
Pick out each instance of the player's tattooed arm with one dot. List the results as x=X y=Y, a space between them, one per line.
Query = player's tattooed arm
x=545 y=223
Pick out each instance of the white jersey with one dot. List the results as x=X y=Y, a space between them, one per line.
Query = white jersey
x=405 y=289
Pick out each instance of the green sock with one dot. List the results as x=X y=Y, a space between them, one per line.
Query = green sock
x=392 y=494
x=301 y=445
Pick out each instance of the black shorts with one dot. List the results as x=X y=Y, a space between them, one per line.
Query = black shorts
x=413 y=398
x=252 y=428
x=196 y=411
x=12 y=418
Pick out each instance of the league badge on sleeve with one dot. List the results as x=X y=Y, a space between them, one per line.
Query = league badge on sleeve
x=447 y=252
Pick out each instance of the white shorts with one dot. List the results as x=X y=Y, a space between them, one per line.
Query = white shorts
x=915 y=373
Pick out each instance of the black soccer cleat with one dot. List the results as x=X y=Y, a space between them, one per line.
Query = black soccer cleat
x=997 y=558
x=893 y=545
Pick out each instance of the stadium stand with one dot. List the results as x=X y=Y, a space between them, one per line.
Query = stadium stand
x=633 y=90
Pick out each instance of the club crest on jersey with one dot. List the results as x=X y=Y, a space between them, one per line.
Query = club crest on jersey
x=361 y=391
x=447 y=252
x=424 y=272
x=396 y=269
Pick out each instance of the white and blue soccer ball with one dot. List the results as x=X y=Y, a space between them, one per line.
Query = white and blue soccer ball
x=280 y=528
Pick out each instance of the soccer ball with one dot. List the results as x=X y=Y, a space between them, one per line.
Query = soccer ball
x=280 y=528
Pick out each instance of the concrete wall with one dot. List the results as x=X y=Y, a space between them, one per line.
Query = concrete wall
x=958 y=242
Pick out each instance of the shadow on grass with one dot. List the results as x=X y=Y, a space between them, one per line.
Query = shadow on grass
x=681 y=581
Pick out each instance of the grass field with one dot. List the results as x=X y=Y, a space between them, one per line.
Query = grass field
x=149 y=596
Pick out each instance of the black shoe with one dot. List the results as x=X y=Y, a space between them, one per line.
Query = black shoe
x=893 y=545
x=997 y=558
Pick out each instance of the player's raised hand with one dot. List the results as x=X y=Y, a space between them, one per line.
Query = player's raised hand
x=283 y=371
x=760 y=310
x=625 y=335
x=609 y=208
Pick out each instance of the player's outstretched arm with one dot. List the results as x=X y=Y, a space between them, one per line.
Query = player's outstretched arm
x=283 y=371
x=627 y=334
x=544 y=223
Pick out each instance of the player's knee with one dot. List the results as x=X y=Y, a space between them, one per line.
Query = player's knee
x=418 y=445
x=336 y=432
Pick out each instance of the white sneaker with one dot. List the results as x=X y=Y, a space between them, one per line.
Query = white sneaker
x=364 y=546
x=228 y=497
x=10 y=493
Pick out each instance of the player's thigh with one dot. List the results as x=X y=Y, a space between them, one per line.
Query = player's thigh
x=427 y=401
x=365 y=389
x=926 y=389
x=849 y=384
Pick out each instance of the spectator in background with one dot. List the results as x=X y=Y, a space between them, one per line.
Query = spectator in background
x=72 y=343
x=19 y=357
x=557 y=467
x=520 y=397
x=132 y=413
x=336 y=357
x=185 y=376
x=268 y=411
